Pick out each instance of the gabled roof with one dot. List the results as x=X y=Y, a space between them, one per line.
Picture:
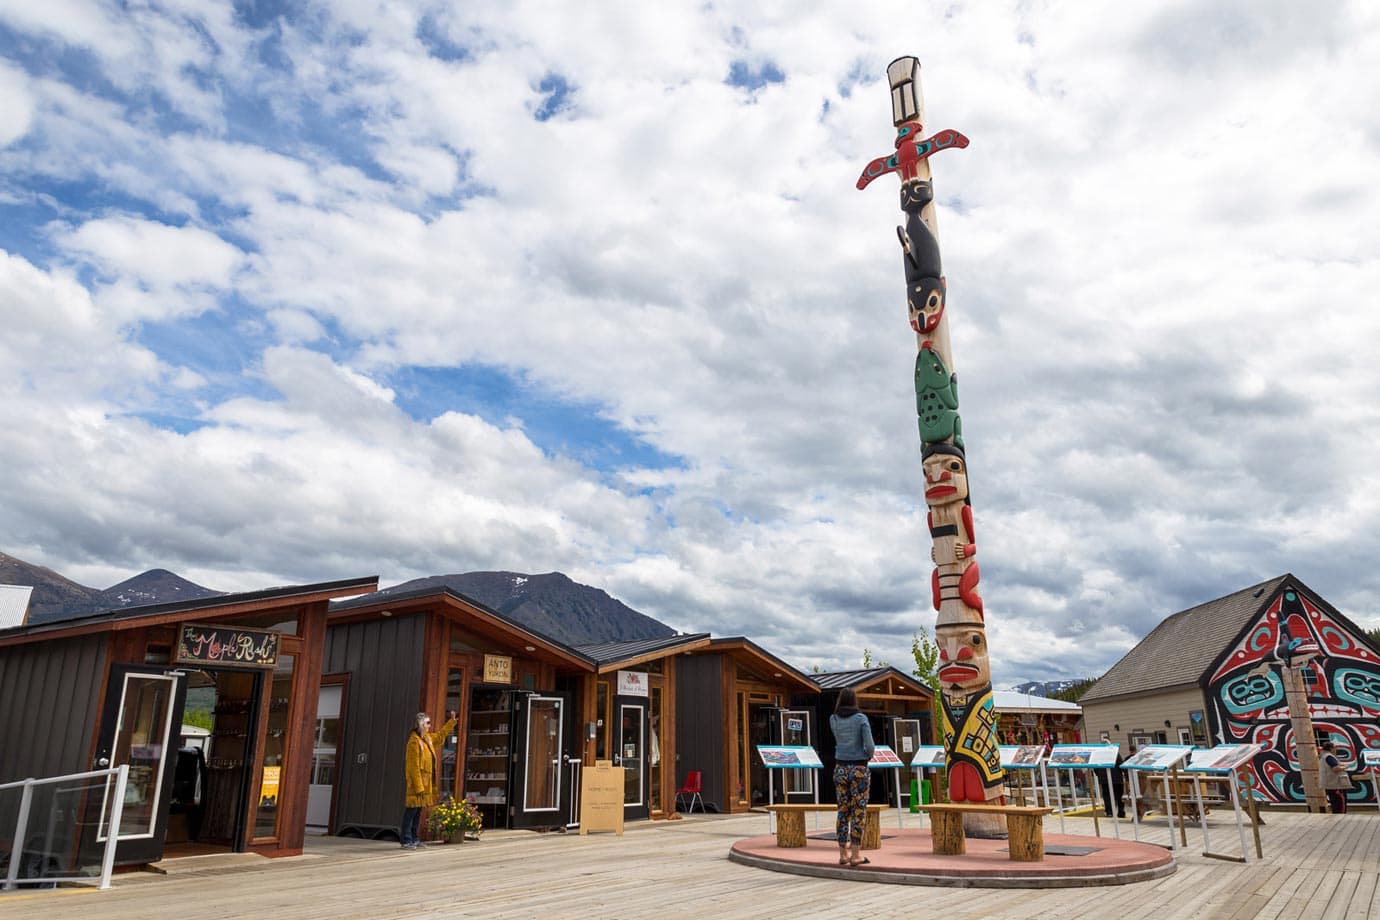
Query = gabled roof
x=866 y=678
x=448 y=599
x=1180 y=650
x=217 y=606
x=744 y=648
x=610 y=656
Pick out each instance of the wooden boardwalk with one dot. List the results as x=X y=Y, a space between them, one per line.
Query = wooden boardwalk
x=1315 y=866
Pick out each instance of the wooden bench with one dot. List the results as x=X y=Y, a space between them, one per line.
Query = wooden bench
x=790 y=824
x=1024 y=826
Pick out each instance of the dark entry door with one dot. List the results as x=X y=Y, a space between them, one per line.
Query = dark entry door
x=630 y=753
x=140 y=726
x=541 y=780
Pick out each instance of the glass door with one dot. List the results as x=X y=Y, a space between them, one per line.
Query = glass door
x=542 y=745
x=795 y=727
x=905 y=739
x=139 y=725
x=631 y=755
x=323 y=758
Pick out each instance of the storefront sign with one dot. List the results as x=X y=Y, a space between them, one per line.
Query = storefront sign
x=498 y=669
x=632 y=683
x=227 y=646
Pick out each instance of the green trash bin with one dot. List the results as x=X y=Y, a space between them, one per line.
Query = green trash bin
x=915 y=796
x=925 y=791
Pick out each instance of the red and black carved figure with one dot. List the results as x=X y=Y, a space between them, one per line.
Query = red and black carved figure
x=1341 y=675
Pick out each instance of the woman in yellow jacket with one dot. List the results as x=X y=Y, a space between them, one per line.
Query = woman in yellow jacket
x=421 y=772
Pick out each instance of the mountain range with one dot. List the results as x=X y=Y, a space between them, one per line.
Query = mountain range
x=551 y=604
x=58 y=598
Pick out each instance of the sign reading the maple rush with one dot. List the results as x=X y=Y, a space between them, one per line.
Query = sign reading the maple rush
x=227 y=646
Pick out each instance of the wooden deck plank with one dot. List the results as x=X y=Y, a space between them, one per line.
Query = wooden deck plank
x=1314 y=866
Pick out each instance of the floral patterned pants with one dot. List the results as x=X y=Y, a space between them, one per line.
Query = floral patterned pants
x=851 y=786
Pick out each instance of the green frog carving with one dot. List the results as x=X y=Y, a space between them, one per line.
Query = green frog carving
x=936 y=399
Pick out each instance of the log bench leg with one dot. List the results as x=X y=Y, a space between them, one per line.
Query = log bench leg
x=790 y=829
x=946 y=832
x=1025 y=838
x=872 y=830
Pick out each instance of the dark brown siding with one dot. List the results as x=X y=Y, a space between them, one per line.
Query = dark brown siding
x=49 y=692
x=700 y=732
x=384 y=660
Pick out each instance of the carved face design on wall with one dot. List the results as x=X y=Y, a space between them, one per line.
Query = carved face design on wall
x=946 y=478
x=963 y=662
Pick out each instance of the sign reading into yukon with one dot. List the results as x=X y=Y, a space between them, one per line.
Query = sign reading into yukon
x=227 y=646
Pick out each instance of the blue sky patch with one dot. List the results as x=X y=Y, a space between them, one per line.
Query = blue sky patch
x=557 y=91
x=571 y=428
x=740 y=73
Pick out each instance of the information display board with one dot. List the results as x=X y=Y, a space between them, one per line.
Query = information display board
x=1021 y=756
x=601 y=798
x=1221 y=759
x=884 y=757
x=782 y=756
x=1370 y=759
x=1155 y=758
x=928 y=756
x=1083 y=756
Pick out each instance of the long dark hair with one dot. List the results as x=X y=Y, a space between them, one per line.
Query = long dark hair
x=848 y=699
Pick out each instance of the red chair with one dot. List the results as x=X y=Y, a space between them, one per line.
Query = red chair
x=692 y=788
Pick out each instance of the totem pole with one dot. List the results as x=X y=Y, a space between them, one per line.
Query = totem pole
x=967 y=715
x=1294 y=652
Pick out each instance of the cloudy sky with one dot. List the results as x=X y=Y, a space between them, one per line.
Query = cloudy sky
x=302 y=291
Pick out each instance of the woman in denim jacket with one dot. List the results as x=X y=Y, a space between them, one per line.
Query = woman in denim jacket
x=852 y=750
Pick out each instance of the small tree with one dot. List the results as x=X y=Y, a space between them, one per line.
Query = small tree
x=926 y=654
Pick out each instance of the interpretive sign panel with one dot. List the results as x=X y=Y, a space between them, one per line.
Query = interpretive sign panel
x=1157 y=758
x=226 y=646
x=1021 y=756
x=779 y=756
x=601 y=798
x=884 y=757
x=928 y=755
x=1083 y=756
x=1222 y=759
x=1370 y=759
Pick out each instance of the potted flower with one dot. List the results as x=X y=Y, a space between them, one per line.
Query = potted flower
x=454 y=818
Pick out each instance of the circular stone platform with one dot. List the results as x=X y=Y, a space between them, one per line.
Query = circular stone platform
x=905 y=859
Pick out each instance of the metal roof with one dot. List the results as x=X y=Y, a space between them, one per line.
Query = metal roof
x=208 y=604
x=608 y=652
x=1180 y=650
x=837 y=680
x=14 y=604
x=1013 y=701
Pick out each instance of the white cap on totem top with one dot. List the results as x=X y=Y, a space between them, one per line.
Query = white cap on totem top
x=904 y=76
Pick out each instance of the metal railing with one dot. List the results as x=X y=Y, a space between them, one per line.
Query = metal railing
x=62 y=831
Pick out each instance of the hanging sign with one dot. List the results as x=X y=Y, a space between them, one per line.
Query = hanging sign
x=632 y=683
x=227 y=646
x=498 y=669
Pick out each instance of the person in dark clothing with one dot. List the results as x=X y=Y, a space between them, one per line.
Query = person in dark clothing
x=1114 y=792
x=853 y=748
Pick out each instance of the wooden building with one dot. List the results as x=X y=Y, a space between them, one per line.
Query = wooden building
x=733 y=695
x=1024 y=718
x=110 y=689
x=518 y=746
x=633 y=714
x=1209 y=674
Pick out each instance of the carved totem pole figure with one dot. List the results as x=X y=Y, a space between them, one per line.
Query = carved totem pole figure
x=969 y=720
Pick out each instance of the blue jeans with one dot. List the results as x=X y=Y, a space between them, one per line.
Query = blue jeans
x=411 y=824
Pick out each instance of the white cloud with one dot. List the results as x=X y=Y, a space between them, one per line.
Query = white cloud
x=1160 y=249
